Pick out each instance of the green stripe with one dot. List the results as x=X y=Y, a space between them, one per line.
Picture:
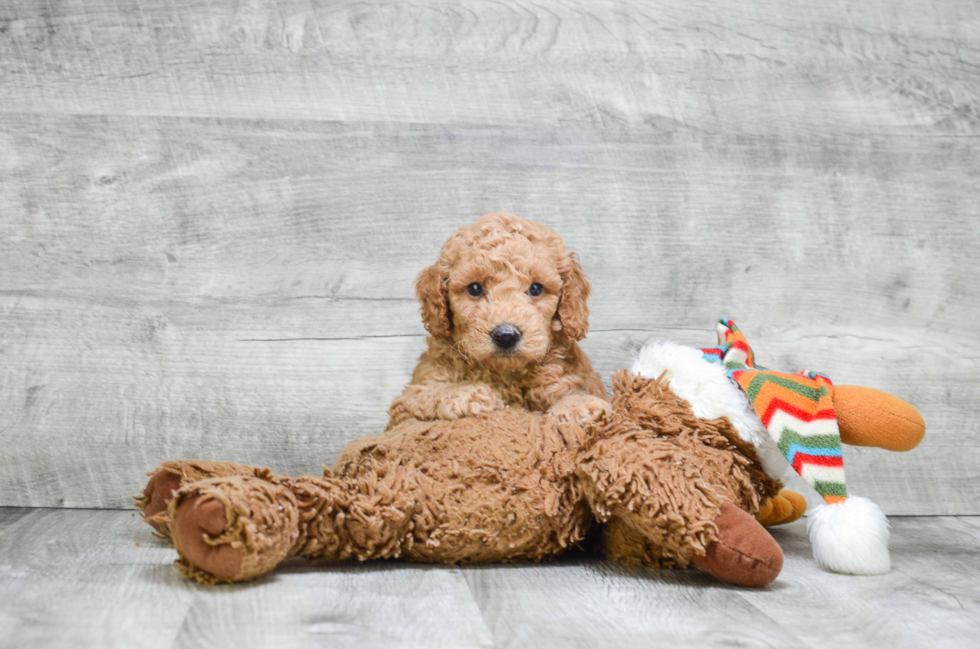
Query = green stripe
x=831 y=488
x=789 y=436
x=760 y=380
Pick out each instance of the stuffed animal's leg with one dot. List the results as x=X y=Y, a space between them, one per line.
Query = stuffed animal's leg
x=742 y=553
x=645 y=483
x=785 y=507
x=237 y=528
x=662 y=511
x=170 y=476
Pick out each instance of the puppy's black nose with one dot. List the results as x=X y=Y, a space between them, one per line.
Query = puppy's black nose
x=505 y=336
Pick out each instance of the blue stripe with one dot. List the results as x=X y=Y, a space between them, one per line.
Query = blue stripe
x=825 y=452
x=713 y=355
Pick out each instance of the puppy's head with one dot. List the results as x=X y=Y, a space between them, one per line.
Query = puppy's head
x=504 y=290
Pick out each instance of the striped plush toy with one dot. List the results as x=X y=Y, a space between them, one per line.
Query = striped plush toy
x=800 y=420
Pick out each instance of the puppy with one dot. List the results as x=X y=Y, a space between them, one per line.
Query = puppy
x=504 y=305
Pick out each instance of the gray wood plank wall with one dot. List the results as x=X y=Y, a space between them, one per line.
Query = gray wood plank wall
x=211 y=213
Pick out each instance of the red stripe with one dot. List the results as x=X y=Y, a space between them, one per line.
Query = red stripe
x=740 y=344
x=778 y=404
x=820 y=460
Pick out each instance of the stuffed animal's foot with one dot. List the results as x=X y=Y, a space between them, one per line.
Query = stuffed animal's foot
x=166 y=480
x=786 y=507
x=156 y=499
x=199 y=522
x=745 y=554
x=868 y=417
x=233 y=529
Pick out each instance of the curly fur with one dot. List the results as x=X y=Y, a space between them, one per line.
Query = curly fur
x=461 y=373
x=491 y=457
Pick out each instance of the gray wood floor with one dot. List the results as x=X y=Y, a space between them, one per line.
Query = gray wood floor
x=211 y=212
x=75 y=578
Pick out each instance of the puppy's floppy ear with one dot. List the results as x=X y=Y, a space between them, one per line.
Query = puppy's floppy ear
x=431 y=288
x=572 y=309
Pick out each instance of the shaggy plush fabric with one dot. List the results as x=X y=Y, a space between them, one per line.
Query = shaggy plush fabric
x=664 y=473
x=257 y=527
x=502 y=446
x=511 y=484
x=165 y=481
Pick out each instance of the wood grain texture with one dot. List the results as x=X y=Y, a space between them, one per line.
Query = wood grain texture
x=913 y=606
x=242 y=290
x=211 y=213
x=835 y=67
x=100 y=579
x=81 y=578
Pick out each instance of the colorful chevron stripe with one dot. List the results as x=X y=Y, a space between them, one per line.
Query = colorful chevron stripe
x=796 y=409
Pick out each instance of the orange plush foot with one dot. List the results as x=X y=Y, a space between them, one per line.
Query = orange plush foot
x=785 y=507
x=868 y=417
x=797 y=501
x=745 y=554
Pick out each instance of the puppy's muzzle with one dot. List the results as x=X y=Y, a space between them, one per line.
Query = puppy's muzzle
x=505 y=337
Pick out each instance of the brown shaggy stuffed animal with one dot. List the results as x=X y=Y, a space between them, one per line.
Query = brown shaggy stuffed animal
x=503 y=446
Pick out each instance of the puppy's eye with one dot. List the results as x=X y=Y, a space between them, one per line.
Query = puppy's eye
x=535 y=290
x=475 y=289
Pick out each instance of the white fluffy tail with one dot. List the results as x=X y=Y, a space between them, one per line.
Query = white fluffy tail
x=850 y=537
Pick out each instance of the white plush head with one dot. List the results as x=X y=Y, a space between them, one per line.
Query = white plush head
x=706 y=386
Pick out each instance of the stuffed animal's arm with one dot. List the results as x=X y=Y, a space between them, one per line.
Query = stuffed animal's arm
x=443 y=401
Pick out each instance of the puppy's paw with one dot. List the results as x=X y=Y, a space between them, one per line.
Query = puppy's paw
x=582 y=409
x=469 y=401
